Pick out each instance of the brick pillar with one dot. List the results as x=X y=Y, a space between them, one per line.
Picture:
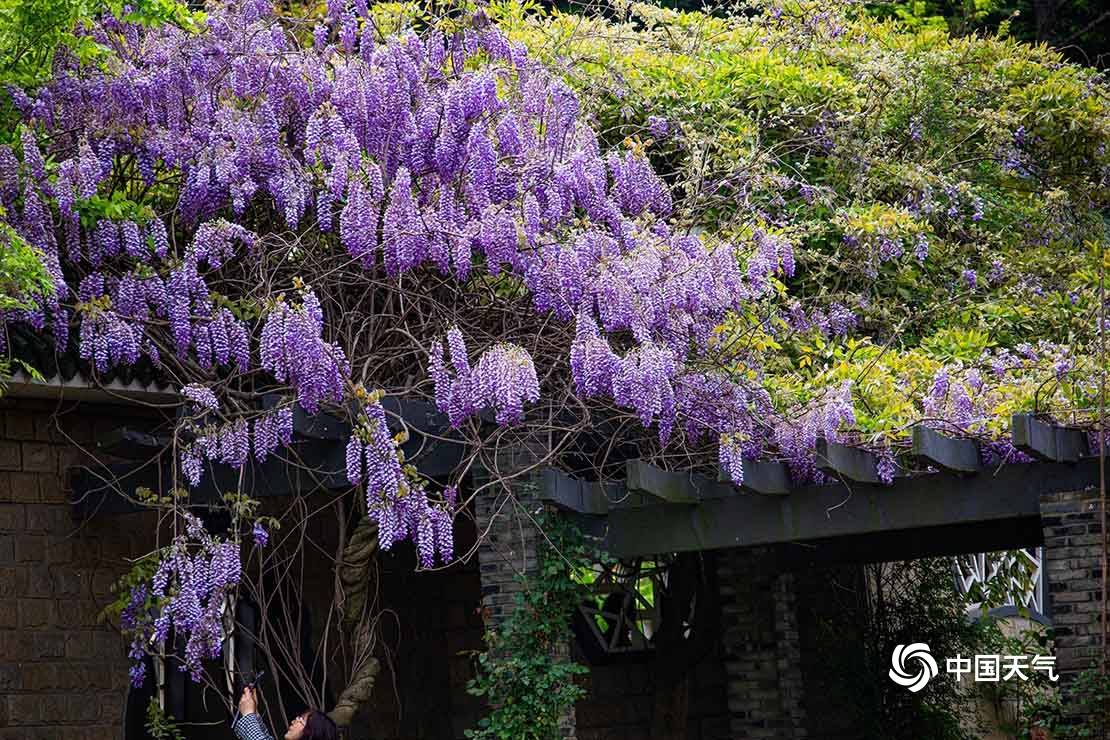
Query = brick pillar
x=762 y=647
x=788 y=647
x=508 y=539
x=1073 y=579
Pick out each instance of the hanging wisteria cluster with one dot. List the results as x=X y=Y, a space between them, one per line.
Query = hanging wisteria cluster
x=503 y=379
x=232 y=442
x=294 y=351
x=396 y=498
x=188 y=595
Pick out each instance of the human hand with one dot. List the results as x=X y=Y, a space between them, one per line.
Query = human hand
x=248 y=704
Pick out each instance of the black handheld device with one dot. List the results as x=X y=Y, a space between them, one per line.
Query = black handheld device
x=249 y=681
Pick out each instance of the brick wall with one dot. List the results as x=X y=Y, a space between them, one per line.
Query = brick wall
x=508 y=545
x=1072 y=527
x=62 y=672
x=762 y=652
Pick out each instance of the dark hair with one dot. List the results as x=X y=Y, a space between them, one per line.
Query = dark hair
x=319 y=726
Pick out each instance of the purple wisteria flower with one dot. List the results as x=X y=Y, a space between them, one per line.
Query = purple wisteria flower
x=201 y=397
x=260 y=534
x=730 y=453
x=503 y=379
x=977 y=209
x=915 y=129
x=231 y=443
x=659 y=127
x=886 y=467
x=823 y=417
x=187 y=593
x=397 y=501
x=294 y=351
x=997 y=272
x=921 y=248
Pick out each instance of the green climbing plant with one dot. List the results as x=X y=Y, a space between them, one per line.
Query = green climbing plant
x=1090 y=698
x=159 y=725
x=525 y=677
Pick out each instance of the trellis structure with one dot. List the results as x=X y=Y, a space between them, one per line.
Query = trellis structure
x=963 y=507
x=960 y=507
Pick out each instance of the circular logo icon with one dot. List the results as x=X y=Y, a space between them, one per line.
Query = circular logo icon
x=901 y=665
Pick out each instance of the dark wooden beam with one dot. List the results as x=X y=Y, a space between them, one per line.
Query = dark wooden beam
x=305 y=466
x=572 y=494
x=950 y=453
x=131 y=444
x=936 y=501
x=316 y=459
x=1047 y=441
x=675 y=488
x=591 y=498
x=852 y=463
x=763 y=476
x=910 y=544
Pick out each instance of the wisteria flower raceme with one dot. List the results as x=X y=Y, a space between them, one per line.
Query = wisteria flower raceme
x=731 y=458
x=398 y=500
x=503 y=379
x=293 y=349
x=261 y=534
x=201 y=397
x=187 y=593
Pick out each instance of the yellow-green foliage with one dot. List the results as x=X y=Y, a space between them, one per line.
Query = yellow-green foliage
x=819 y=128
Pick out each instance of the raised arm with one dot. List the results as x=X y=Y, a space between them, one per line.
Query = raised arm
x=249 y=726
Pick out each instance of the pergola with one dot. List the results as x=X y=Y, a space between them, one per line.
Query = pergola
x=960 y=507
x=954 y=505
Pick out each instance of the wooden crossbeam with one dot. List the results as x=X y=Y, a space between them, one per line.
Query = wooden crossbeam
x=930 y=504
x=315 y=460
x=307 y=465
x=950 y=453
x=1047 y=441
x=763 y=476
x=584 y=497
x=130 y=443
x=675 y=488
x=852 y=463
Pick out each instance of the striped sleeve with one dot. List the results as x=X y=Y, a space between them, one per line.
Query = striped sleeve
x=250 y=727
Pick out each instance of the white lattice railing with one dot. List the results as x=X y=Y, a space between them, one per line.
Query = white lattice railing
x=985 y=567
